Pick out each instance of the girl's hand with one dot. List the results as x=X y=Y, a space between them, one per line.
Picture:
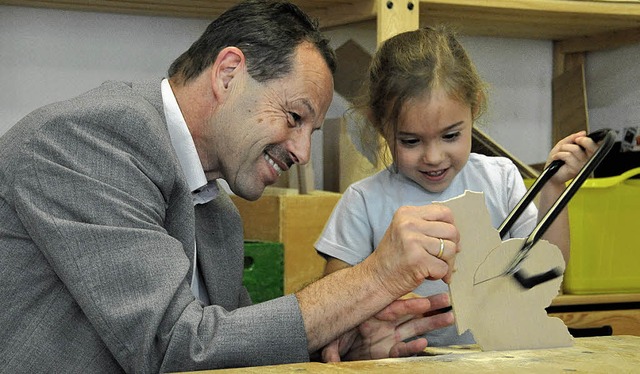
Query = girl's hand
x=575 y=150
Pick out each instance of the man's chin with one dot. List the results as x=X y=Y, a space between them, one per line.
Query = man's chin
x=251 y=194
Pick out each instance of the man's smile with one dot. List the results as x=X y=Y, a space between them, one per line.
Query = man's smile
x=273 y=164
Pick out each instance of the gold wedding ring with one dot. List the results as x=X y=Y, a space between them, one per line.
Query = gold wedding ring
x=439 y=256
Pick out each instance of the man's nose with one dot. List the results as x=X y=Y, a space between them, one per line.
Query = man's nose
x=299 y=147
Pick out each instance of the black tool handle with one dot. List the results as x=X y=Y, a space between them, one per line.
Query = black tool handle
x=554 y=211
x=546 y=174
x=576 y=183
x=534 y=280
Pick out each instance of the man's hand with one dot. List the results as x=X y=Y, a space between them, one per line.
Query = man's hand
x=420 y=243
x=384 y=334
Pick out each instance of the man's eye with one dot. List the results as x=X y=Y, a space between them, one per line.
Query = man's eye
x=295 y=118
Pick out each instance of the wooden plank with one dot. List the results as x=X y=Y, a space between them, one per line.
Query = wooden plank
x=540 y=19
x=569 y=104
x=351 y=69
x=483 y=143
x=598 y=42
x=574 y=61
x=353 y=165
x=341 y=13
x=395 y=17
x=331 y=155
x=260 y=218
x=303 y=218
x=189 y=9
x=306 y=178
x=347 y=163
x=558 y=60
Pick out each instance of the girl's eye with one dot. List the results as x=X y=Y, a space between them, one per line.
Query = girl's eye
x=451 y=136
x=409 y=141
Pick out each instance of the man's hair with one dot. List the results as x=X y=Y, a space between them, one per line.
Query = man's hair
x=267 y=32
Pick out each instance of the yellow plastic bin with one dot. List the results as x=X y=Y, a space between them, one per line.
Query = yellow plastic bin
x=604 y=217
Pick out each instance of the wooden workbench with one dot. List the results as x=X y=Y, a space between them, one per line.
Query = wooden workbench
x=603 y=354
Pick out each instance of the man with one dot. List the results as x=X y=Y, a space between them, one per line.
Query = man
x=118 y=252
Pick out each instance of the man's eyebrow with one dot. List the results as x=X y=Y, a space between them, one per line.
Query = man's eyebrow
x=310 y=108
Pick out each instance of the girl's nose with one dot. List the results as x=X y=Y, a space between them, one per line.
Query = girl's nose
x=433 y=154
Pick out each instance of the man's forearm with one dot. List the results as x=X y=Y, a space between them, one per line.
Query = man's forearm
x=340 y=301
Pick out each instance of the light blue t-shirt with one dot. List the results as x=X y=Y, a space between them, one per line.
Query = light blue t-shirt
x=361 y=217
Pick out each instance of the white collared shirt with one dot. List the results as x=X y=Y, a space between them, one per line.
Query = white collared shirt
x=202 y=190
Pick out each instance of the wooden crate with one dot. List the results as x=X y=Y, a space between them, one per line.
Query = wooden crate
x=283 y=215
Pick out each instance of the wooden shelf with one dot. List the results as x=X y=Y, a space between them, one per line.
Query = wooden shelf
x=535 y=19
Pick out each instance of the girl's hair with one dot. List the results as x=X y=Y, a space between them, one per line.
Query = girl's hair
x=405 y=67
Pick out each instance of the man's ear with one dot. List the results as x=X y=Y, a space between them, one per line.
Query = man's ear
x=228 y=65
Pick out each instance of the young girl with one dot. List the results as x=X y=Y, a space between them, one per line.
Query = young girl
x=423 y=96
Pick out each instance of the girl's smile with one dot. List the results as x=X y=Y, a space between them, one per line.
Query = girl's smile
x=433 y=141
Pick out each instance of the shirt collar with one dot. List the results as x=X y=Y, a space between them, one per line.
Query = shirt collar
x=185 y=148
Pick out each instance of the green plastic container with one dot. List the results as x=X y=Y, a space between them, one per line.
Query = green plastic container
x=263 y=270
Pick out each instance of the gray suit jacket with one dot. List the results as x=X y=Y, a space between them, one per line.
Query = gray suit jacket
x=97 y=230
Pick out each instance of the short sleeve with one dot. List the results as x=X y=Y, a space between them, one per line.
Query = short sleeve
x=347 y=235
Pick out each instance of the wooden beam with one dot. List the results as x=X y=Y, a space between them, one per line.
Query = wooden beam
x=569 y=103
x=343 y=14
x=539 y=19
x=569 y=93
x=532 y=19
x=483 y=143
x=395 y=17
x=607 y=40
x=353 y=165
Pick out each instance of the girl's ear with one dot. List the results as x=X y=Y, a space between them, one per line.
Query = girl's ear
x=228 y=66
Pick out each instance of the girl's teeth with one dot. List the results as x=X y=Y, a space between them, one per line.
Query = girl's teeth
x=435 y=173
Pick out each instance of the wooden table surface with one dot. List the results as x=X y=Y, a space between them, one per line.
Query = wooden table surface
x=603 y=354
